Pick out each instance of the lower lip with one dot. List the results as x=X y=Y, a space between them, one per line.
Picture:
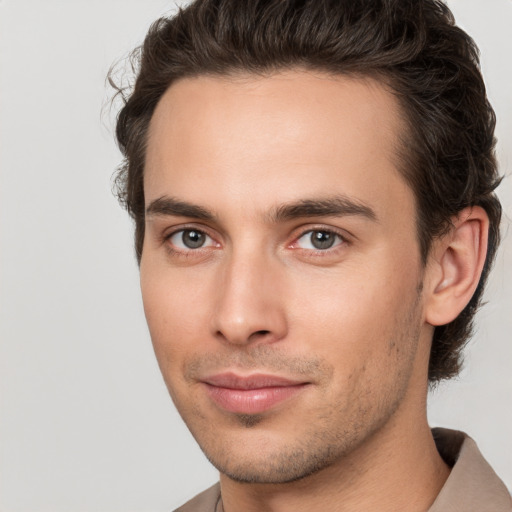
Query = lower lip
x=251 y=401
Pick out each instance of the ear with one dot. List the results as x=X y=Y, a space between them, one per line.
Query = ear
x=454 y=266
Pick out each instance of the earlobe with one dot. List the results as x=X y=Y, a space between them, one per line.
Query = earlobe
x=455 y=264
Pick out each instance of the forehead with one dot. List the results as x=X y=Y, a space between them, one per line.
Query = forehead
x=270 y=139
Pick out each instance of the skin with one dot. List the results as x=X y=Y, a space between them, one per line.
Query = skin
x=353 y=321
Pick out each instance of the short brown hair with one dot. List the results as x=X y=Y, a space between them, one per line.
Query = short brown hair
x=431 y=65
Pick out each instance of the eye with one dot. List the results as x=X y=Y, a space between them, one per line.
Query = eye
x=319 y=240
x=187 y=239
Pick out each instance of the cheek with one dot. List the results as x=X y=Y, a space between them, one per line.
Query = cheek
x=173 y=306
x=358 y=317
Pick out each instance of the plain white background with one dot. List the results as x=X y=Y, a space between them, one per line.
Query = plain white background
x=85 y=420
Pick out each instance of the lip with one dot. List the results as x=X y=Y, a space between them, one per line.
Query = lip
x=251 y=394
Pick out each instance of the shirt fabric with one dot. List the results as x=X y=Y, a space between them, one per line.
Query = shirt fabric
x=472 y=486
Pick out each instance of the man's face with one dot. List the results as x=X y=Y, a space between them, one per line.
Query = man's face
x=280 y=271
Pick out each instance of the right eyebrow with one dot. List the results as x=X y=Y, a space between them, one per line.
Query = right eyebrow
x=336 y=206
x=169 y=206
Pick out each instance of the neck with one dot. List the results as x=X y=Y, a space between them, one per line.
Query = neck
x=397 y=469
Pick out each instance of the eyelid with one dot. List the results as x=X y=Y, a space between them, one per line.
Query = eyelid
x=169 y=233
x=344 y=236
x=305 y=230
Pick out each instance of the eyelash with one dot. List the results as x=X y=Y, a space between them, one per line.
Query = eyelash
x=185 y=253
x=342 y=241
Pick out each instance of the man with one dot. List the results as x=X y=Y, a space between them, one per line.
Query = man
x=312 y=188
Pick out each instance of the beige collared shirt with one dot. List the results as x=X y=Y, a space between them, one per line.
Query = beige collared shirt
x=472 y=486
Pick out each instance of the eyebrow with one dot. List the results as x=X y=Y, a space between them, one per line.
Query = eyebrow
x=336 y=206
x=169 y=206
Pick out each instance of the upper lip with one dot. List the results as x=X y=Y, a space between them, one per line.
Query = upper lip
x=255 y=381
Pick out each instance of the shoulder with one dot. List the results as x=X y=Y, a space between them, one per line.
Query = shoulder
x=203 y=502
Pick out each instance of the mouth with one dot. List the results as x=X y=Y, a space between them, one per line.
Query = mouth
x=252 y=394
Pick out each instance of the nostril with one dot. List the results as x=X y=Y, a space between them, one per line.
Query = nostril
x=259 y=334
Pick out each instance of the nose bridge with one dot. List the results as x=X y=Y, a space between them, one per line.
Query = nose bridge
x=248 y=308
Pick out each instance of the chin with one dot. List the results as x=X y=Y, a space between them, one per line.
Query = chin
x=267 y=462
x=283 y=475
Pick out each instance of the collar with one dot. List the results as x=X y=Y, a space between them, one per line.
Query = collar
x=472 y=486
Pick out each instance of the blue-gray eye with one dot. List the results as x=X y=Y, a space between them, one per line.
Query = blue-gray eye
x=319 y=240
x=190 y=239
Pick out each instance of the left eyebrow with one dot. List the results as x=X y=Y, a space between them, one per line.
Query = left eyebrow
x=337 y=206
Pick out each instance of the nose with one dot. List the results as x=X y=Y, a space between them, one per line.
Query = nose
x=249 y=308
